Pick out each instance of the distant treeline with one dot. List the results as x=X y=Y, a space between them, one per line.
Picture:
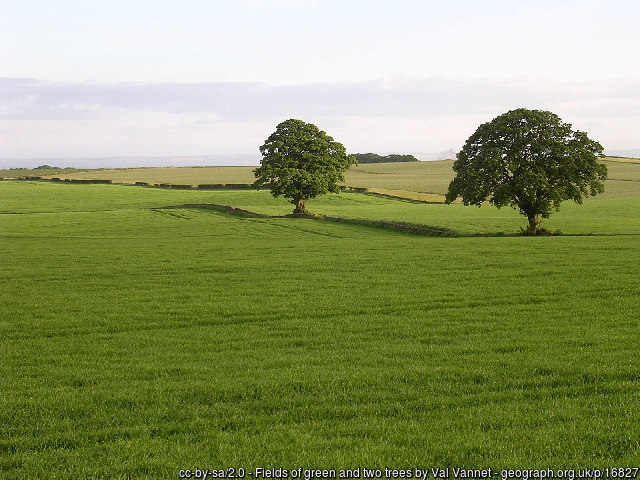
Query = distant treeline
x=49 y=167
x=375 y=158
x=43 y=167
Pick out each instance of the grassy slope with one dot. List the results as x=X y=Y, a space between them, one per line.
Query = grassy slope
x=137 y=341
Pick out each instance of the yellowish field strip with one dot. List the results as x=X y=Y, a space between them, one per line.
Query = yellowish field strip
x=423 y=181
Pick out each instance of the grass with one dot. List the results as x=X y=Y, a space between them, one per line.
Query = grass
x=22 y=172
x=623 y=159
x=137 y=341
x=422 y=177
x=424 y=181
x=595 y=216
x=171 y=175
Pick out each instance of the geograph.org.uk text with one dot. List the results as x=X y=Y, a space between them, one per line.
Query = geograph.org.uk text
x=413 y=473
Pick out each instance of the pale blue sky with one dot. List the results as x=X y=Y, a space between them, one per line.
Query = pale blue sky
x=98 y=78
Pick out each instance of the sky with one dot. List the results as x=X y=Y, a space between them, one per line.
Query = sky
x=81 y=79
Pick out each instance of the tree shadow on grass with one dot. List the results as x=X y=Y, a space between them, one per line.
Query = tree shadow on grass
x=401 y=227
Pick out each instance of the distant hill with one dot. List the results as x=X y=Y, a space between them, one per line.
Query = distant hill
x=375 y=158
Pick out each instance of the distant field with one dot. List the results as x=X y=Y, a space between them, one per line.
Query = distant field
x=423 y=177
x=138 y=340
x=404 y=179
x=20 y=172
x=174 y=175
x=426 y=177
x=623 y=159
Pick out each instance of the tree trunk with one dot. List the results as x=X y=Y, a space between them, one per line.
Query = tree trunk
x=534 y=222
x=299 y=206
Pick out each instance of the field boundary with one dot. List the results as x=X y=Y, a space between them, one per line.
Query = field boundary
x=402 y=227
x=395 y=226
x=228 y=209
x=383 y=224
x=374 y=192
x=204 y=186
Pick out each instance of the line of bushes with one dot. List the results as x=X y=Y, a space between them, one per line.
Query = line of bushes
x=92 y=181
x=203 y=186
x=384 y=224
x=240 y=212
x=221 y=186
x=206 y=186
x=344 y=188
x=172 y=185
x=395 y=226
x=88 y=181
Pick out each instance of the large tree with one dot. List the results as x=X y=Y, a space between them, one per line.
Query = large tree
x=300 y=161
x=530 y=160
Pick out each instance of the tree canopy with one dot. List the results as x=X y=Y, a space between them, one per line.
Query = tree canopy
x=530 y=160
x=300 y=161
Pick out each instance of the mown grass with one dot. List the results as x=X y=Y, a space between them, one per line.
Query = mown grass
x=137 y=341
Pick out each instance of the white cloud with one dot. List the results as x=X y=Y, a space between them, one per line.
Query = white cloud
x=391 y=97
x=394 y=114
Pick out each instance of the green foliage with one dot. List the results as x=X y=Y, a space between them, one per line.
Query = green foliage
x=375 y=158
x=299 y=162
x=530 y=160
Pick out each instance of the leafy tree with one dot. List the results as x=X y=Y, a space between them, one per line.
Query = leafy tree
x=375 y=158
x=368 y=157
x=394 y=157
x=299 y=162
x=530 y=160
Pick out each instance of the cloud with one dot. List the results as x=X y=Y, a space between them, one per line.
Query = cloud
x=408 y=98
x=393 y=114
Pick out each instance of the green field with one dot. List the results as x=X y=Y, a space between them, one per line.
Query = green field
x=172 y=175
x=137 y=340
x=22 y=172
x=411 y=179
